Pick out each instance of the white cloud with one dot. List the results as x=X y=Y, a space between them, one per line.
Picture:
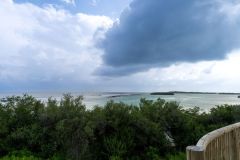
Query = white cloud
x=51 y=48
x=47 y=44
x=219 y=76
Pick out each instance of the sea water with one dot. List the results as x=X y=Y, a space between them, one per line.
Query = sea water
x=186 y=100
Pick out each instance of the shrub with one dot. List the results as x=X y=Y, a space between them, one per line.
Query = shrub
x=153 y=130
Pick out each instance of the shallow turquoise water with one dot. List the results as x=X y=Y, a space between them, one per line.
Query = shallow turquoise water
x=204 y=101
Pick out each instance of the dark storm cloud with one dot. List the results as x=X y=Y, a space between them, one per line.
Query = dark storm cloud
x=163 y=32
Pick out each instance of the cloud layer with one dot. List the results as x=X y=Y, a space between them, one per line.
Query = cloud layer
x=160 y=33
x=215 y=76
x=220 y=76
x=47 y=47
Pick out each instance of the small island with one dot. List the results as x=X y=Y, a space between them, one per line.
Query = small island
x=162 y=93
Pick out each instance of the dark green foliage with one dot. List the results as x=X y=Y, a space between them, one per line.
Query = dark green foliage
x=154 y=130
x=177 y=156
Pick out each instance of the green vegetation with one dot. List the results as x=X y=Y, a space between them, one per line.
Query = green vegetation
x=154 y=130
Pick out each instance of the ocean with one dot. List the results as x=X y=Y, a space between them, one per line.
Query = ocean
x=186 y=100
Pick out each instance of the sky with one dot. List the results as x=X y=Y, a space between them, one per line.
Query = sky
x=119 y=45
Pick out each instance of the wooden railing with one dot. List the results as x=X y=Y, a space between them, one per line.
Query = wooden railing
x=221 y=144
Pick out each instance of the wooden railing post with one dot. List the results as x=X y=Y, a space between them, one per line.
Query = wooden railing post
x=221 y=144
x=195 y=153
x=236 y=144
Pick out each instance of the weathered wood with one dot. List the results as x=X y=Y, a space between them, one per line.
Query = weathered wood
x=221 y=144
x=195 y=153
x=237 y=142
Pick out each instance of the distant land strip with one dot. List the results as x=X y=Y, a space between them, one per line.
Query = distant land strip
x=183 y=92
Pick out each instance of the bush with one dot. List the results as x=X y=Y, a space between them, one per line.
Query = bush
x=178 y=156
x=20 y=155
x=154 y=130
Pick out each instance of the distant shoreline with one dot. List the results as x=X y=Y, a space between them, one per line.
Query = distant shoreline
x=183 y=92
